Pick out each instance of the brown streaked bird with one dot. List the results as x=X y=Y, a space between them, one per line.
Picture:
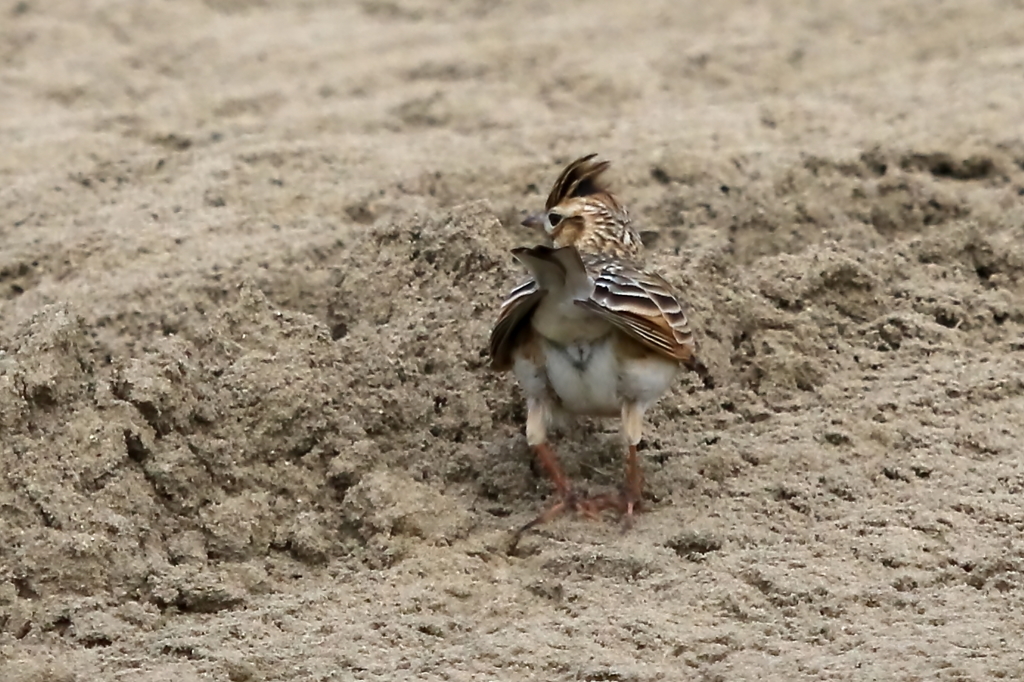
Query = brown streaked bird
x=592 y=332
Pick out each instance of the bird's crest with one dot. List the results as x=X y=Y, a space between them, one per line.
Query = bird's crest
x=581 y=178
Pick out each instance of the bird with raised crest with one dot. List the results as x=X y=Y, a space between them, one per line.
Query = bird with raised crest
x=591 y=332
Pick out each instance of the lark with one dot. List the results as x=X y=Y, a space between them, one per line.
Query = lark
x=592 y=331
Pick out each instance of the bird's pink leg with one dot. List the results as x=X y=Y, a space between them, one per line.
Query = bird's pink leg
x=568 y=501
x=537 y=414
x=634 y=482
x=549 y=463
x=632 y=427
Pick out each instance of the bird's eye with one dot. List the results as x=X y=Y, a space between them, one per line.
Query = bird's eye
x=554 y=218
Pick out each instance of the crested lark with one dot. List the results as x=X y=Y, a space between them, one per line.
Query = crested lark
x=592 y=332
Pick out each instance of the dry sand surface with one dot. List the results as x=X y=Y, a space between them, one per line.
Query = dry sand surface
x=250 y=253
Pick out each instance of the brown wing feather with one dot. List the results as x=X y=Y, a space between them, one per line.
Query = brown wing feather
x=514 y=312
x=644 y=306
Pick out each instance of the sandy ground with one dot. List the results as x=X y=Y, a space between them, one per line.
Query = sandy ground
x=249 y=257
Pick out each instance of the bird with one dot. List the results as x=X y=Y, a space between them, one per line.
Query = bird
x=591 y=332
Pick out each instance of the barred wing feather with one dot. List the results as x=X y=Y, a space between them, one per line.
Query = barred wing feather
x=514 y=311
x=643 y=305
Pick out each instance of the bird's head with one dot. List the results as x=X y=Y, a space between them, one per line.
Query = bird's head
x=582 y=212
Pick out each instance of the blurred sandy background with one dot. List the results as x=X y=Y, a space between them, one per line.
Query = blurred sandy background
x=249 y=256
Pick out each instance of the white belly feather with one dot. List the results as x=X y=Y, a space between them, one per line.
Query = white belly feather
x=589 y=378
x=585 y=376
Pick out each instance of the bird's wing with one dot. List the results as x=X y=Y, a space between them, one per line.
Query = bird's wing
x=643 y=305
x=514 y=312
x=636 y=301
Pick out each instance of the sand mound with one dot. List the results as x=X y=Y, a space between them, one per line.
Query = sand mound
x=251 y=256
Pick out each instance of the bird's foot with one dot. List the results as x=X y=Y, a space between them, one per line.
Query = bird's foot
x=588 y=507
x=568 y=502
x=630 y=505
x=627 y=504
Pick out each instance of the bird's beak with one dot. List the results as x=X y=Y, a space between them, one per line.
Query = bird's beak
x=534 y=221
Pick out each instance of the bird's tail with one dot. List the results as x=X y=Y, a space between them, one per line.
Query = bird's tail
x=556 y=269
